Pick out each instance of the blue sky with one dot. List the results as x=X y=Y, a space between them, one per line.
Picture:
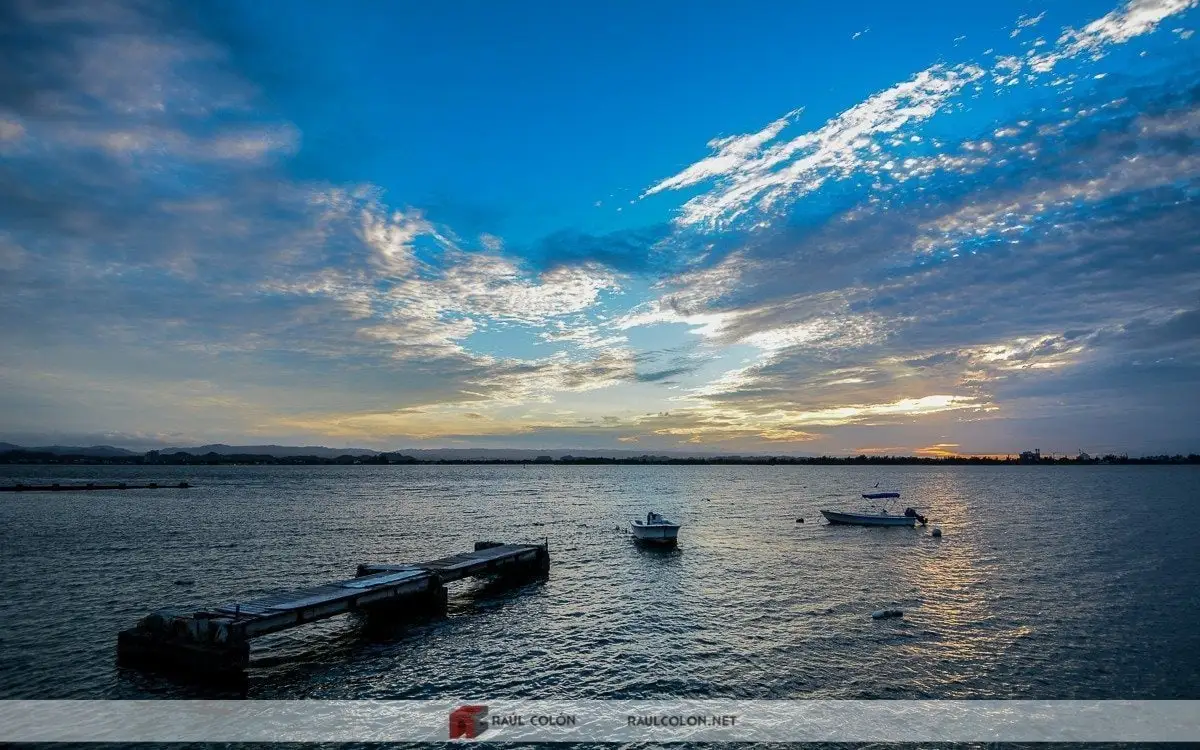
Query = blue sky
x=601 y=225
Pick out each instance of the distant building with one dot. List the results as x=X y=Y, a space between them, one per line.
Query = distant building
x=1031 y=457
x=1084 y=457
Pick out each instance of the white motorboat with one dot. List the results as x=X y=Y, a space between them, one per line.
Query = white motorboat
x=655 y=530
x=876 y=516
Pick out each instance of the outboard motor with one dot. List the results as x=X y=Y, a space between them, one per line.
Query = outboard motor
x=912 y=513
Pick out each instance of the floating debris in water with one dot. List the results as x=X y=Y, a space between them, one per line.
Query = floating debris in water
x=799 y=520
x=185 y=582
x=884 y=614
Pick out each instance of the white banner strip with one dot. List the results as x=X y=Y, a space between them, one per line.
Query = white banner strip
x=599 y=721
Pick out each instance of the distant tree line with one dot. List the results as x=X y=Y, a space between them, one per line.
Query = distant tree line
x=244 y=459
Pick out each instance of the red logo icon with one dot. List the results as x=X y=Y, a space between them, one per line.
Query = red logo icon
x=467 y=722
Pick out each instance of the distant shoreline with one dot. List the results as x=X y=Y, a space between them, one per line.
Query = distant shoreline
x=30 y=458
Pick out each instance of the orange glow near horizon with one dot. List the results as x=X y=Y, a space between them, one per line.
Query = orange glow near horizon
x=937 y=450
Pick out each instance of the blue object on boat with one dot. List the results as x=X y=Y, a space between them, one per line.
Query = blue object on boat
x=880 y=495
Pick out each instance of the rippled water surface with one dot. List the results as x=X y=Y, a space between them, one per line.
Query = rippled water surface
x=1050 y=582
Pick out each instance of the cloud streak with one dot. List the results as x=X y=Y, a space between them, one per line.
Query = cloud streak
x=752 y=176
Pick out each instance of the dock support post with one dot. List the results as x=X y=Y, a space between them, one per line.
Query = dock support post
x=527 y=570
x=431 y=602
x=434 y=600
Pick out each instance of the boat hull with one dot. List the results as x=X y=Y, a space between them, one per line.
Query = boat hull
x=868 y=519
x=656 y=533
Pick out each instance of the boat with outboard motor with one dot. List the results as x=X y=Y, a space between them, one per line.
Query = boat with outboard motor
x=655 y=530
x=877 y=516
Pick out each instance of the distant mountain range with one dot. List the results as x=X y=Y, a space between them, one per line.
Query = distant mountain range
x=279 y=451
x=320 y=451
x=95 y=451
x=427 y=454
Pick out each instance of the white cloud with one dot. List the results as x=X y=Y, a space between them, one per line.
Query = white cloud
x=494 y=287
x=656 y=312
x=1133 y=19
x=422 y=307
x=348 y=288
x=417 y=337
x=391 y=238
x=582 y=334
x=829 y=333
x=904 y=407
x=689 y=298
x=732 y=154
x=1024 y=22
x=250 y=145
x=256 y=144
x=129 y=62
x=748 y=173
x=751 y=175
x=518 y=381
x=1120 y=172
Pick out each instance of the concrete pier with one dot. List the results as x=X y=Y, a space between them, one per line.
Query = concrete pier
x=218 y=639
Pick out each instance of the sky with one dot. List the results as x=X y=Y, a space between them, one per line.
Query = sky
x=771 y=227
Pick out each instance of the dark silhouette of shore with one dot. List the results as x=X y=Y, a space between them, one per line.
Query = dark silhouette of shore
x=154 y=458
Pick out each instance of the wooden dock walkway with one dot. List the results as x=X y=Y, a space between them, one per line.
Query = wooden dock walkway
x=56 y=487
x=218 y=639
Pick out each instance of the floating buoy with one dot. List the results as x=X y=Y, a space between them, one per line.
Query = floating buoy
x=883 y=614
x=937 y=531
x=799 y=520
